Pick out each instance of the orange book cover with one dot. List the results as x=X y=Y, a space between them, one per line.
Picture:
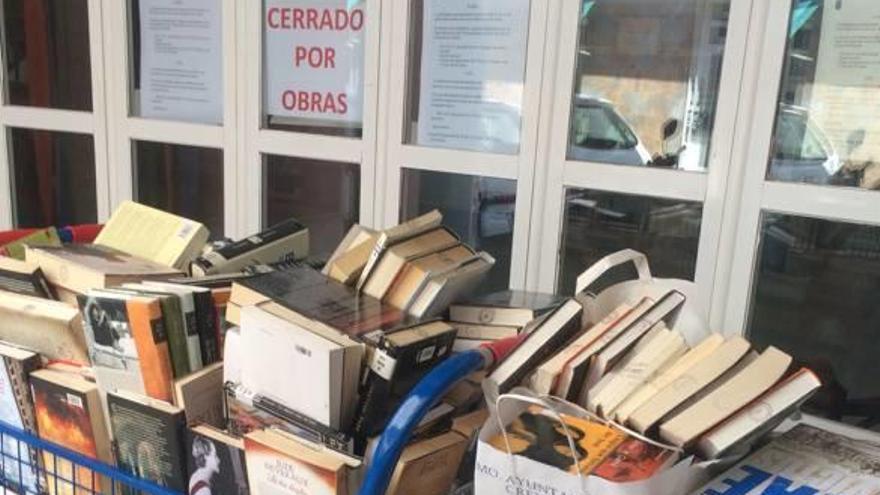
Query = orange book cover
x=274 y=472
x=634 y=460
x=151 y=342
x=539 y=436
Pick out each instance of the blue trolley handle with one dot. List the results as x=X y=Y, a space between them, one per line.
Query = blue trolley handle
x=81 y=460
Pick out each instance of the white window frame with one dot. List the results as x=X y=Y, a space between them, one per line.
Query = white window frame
x=259 y=141
x=708 y=188
x=396 y=155
x=91 y=123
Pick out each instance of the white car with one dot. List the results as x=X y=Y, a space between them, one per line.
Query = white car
x=600 y=134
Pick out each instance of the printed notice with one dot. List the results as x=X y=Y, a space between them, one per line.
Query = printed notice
x=181 y=60
x=473 y=67
x=315 y=60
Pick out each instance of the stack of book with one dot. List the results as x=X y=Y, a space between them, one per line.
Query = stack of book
x=496 y=316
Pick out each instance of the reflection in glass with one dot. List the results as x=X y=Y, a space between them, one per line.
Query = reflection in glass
x=325 y=196
x=466 y=76
x=46 y=52
x=600 y=223
x=53 y=178
x=479 y=209
x=826 y=129
x=184 y=180
x=646 y=81
x=815 y=296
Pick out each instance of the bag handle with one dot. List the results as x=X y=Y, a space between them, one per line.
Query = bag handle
x=556 y=415
x=599 y=268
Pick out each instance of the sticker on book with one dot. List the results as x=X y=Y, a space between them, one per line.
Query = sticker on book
x=426 y=354
x=186 y=230
x=383 y=364
x=75 y=401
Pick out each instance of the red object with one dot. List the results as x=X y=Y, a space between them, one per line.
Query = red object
x=14 y=235
x=501 y=348
x=84 y=234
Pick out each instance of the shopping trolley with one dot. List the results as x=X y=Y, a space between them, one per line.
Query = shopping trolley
x=33 y=466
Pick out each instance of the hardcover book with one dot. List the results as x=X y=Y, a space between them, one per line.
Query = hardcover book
x=215 y=462
x=69 y=413
x=148 y=438
x=804 y=460
x=17 y=409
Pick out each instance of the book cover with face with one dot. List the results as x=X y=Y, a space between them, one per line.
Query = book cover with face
x=215 y=467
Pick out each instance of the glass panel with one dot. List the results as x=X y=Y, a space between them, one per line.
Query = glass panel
x=600 y=223
x=313 y=66
x=479 y=209
x=177 y=60
x=827 y=131
x=467 y=73
x=325 y=196
x=53 y=178
x=815 y=296
x=646 y=81
x=185 y=180
x=46 y=50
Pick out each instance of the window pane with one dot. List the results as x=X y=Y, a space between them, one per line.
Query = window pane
x=53 y=178
x=479 y=209
x=600 y=223
x=177 y=60
x=815 y=296
x=827 y=131
x=646 y=82
x=313 y=65
x=46 y=50
x=185 y=180
x=467 y=73
x=325 y=196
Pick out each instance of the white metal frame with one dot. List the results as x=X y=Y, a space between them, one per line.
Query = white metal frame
x=91 y=123
x=396 y=155
x=708 y=188
x=259 y=141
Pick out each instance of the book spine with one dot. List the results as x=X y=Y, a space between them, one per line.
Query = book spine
x=375 y=403
x=206 y=314
x=177 y=345
x=151 y=341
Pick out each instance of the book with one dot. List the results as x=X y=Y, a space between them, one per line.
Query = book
x=536 y=434
x=396 y=257
x=737 y=392
x=215 y=462
x=416 y=273
x=574 y=374
x=80 y=267
x=299 y=360
x=639 y=366
x=322 y=304
x=398 y=233
x=690 y=382
x=804 y=460
x=351 y=256
x=247 y=411
x=285 y=240
x=148 y=438
x=69 y=413
x=442 y=288
x=279 y=464
x=661 y=311
x=24 y=278
x=484 y=332
x=648 y=390
x=546 y=378
x=506 y=307
x=188 y=316
x=128 y=345
x=51 y=328
x=17 y=410
x=205 y=318
x=559 y=327
x=153 y=234
x=761 y=416
x=635 y=460
x=43 y=237
x=399 y=360
x=200 y=395
x=429 y=466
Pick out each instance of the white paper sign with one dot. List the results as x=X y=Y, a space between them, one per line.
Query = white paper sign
x=473 y=67
x=181 y=60
x=314 y=59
